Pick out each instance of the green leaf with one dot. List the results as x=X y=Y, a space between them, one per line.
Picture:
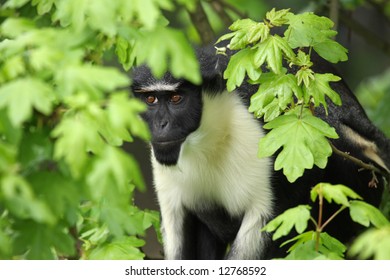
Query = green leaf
x=277 y=18
x=340 y=194
x=94 y=236
x=12 y=68
x=9 y=133
x=76 y=137
x=274 y=95
x=299 y=239
x=303 y=139
x=124 y=50
x=331 y=247
x=331 y=51
x=189 y=4
x=294 y=217
x=304 y=247
x=246 y=32
x=7 y=156
x=153 y=218
x=102 y=15
x=171 y=48
x=310 y=30
x=120 y=249
x=15 y=3
x=22 y=202
x=302 y=59
x=372 y=243
x=114 y=213
x=43 y=6
x=319 y=88
x=241 y=64
x=271 y=51
x=119 y=168
x=14 y=27
x=110 y=185
x=305 y=75
x=366 y=214
x=41 y=242
x=305 y=251
x=90 y=79
x=23 y=95
x=149 y=11
x=72 y=13
x=35 y=148
x=60 y=193
x=45 y=58
x=121 y=105
x=5 y=242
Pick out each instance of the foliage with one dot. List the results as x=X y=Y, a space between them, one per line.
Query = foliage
x=289 y=91
x=374 y=243
x=317 y=244
x=66 y=186
x=286 y=99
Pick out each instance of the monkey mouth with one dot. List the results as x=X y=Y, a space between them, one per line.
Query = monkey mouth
x=167 y=152
x=169 y=142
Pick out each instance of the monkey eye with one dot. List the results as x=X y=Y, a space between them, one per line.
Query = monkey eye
x=176 y=98
x=151 y=99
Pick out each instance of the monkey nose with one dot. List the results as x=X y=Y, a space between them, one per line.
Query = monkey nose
x=163 y=124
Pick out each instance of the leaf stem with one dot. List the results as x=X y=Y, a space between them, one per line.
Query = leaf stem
x=332 y=217
x=319 y=224
x=334 y=12
x=314 y=221
x=218 y=7
x=202 y=24
x=301 y=113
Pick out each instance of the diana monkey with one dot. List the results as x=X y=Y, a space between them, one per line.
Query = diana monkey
x=214 y=193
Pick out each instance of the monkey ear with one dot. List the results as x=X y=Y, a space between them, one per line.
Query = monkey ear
x=212 y=66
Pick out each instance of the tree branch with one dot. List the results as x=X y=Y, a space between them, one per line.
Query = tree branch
x=202 y=24
x=367 y=166
x=220 y=10
x=230 y=7
x=334 y=13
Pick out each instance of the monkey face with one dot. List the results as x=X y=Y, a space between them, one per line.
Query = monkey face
x=174 y=111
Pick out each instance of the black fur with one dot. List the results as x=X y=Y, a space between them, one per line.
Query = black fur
x=169 y=123
x=208 y=232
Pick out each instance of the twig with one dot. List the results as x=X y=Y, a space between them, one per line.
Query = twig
x=319 y=225
x=202 y=24
x=78 y=244
x=332 y=217
x=230 y=7
x=334 y=12
x=220 y=10
x=357 y=161
x=374 y=181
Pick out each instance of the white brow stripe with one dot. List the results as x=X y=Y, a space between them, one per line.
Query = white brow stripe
x=159 y=87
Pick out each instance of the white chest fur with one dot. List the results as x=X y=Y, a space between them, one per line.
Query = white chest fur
x=218 y=162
